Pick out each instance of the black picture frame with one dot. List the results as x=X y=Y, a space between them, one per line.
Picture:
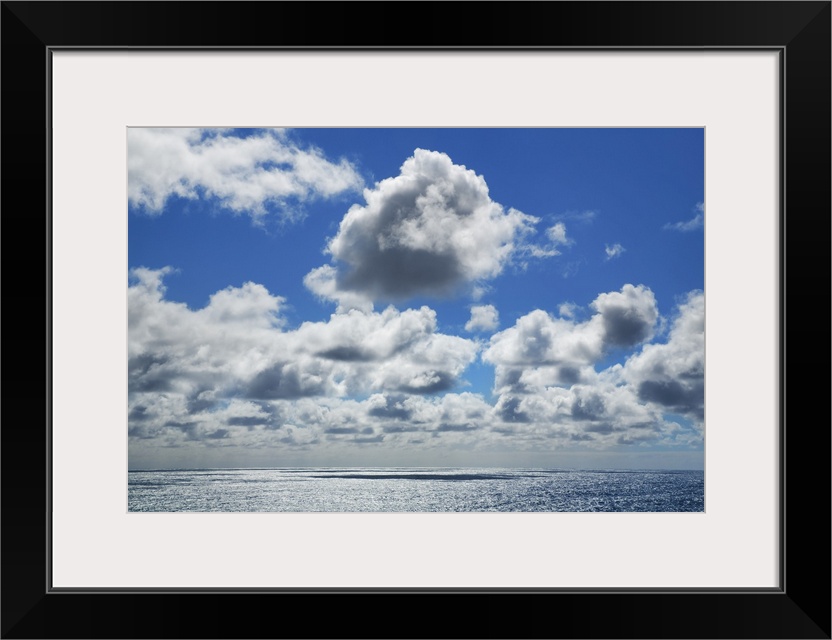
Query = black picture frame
x=799 y=608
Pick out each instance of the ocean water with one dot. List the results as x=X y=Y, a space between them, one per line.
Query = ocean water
x=425 y=490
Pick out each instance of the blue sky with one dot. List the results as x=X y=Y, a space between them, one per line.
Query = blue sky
x=478 y=297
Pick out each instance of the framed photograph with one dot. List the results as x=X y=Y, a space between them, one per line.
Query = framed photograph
x=452 y=319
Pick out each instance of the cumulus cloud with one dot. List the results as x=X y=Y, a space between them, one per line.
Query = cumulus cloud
x=541 y=350
x=628 y=316
x=623 y=319
x=232 y=374
x=613 y=251
x=391 y=350
x=672 y=375
x=538 y=338
x=547 y=386
x=323 y=282
x=697 y=222
x=457 y=412
x=236 y=348
x=254 y=174
x=483 y=318
x=599 y=414
x=171 y=348
x=428 y=231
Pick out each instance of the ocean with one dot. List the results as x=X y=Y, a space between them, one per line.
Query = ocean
x=423 y=490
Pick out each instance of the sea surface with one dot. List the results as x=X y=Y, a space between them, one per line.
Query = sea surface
x=425 y=490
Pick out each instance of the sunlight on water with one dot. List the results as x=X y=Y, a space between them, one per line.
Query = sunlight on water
x=415 y=490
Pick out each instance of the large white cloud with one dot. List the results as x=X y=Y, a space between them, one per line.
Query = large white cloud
x=672 y=375
x=547 y=385
x=252 y=174
x=624 y=319
x=389 y=350
x=391 y=420
x=548 y=388
x=235 y=348
x=599 y=414
x=231 y=375
x=430 y=230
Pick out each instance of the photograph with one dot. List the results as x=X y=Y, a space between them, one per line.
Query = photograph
x=415 y=314
x=416 y=319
